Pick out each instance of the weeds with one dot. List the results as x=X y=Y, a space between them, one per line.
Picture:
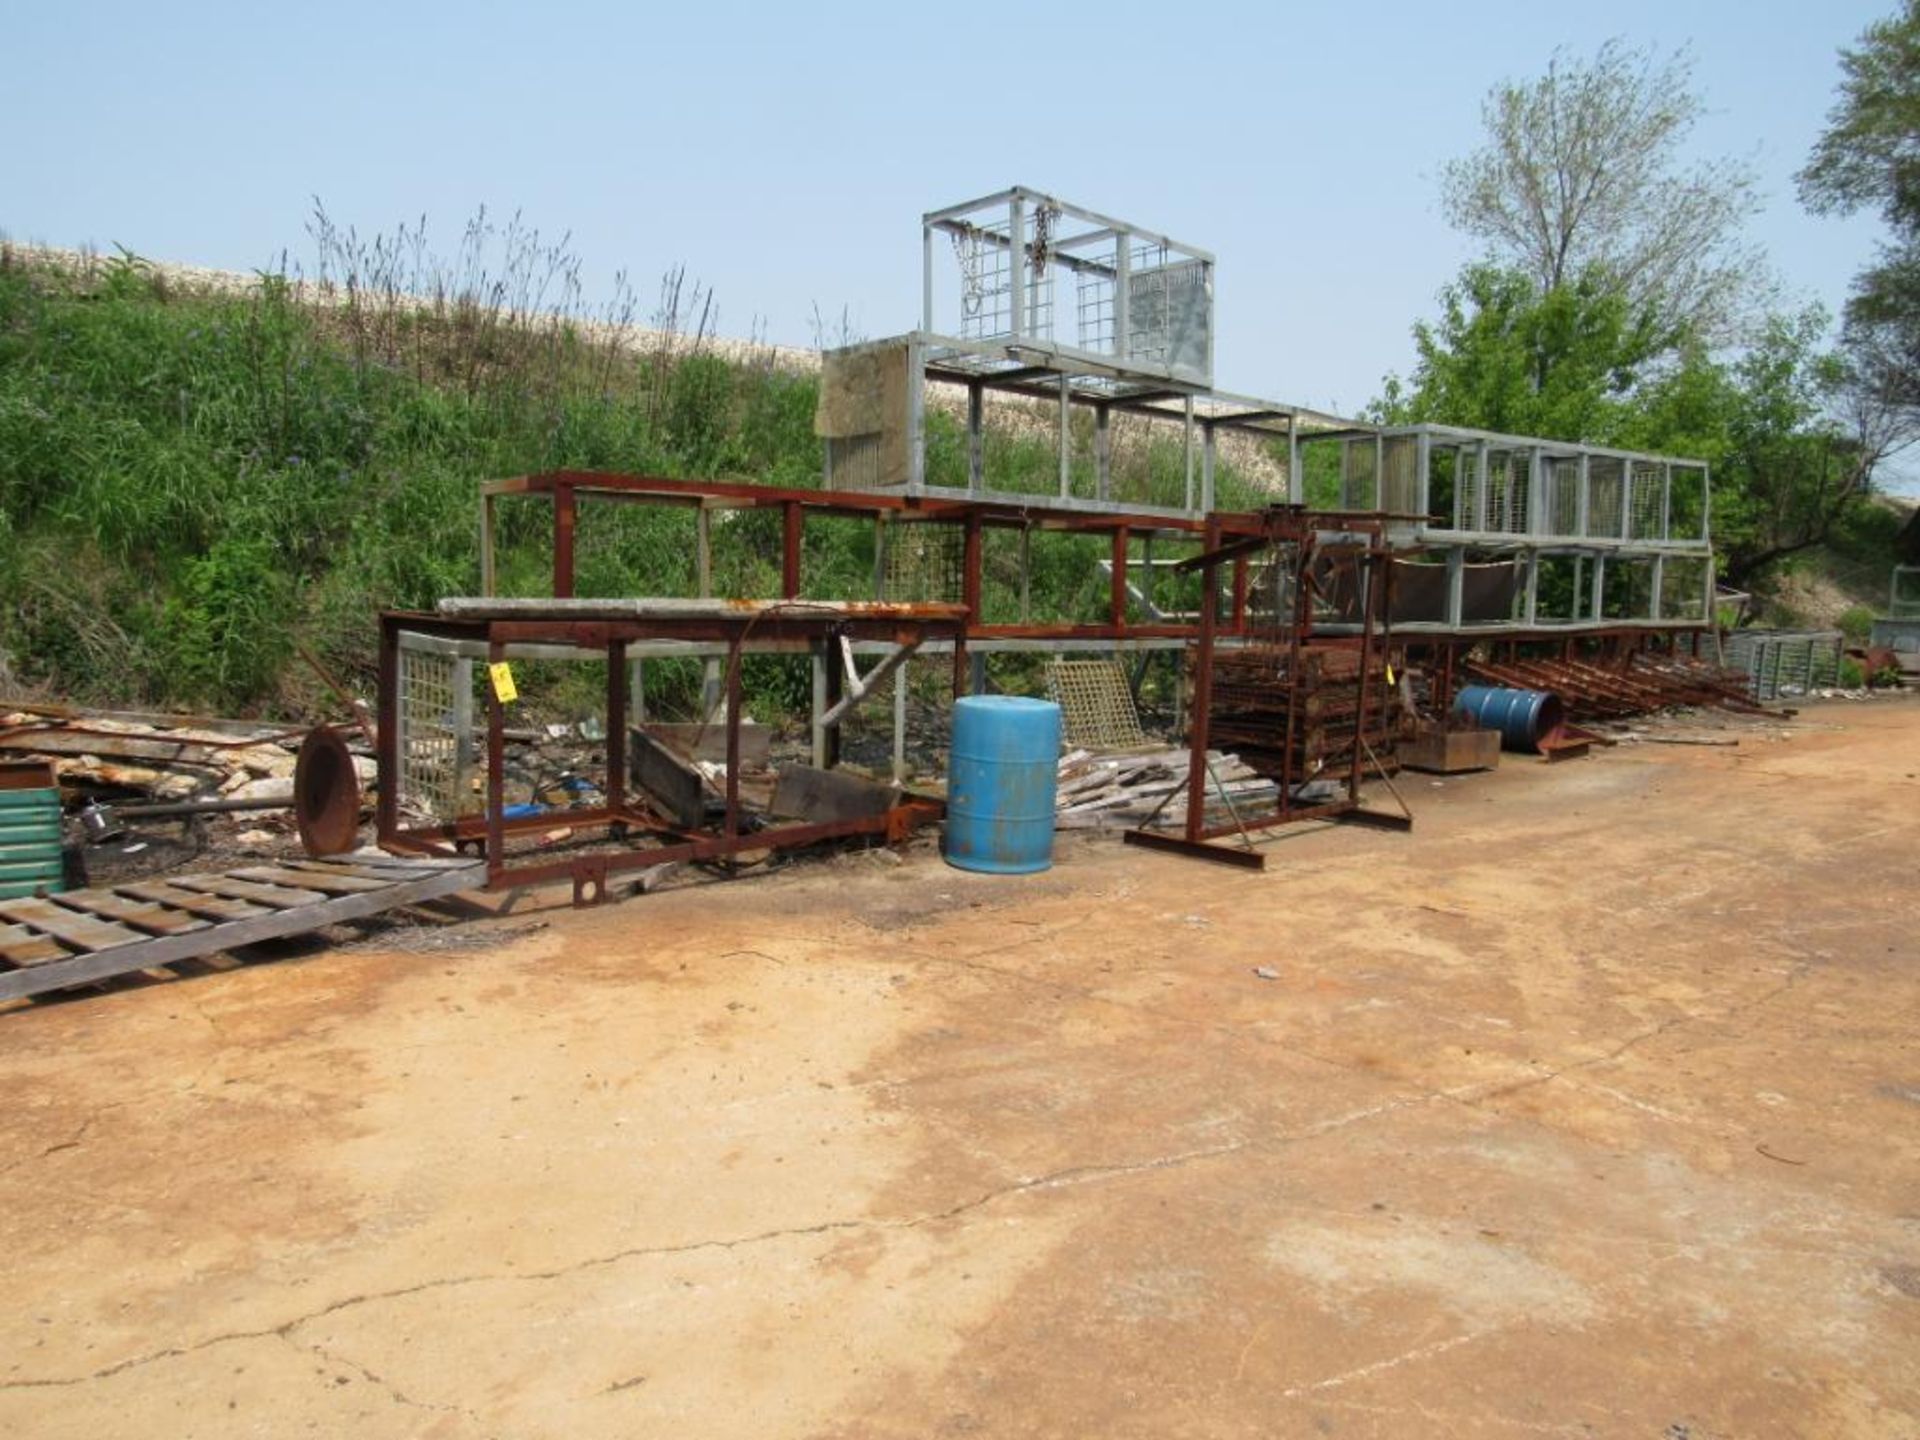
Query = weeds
x=196 y=481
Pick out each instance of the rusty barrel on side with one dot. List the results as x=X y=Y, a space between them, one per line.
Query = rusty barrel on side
x=1523 y=717
x=1001 y=778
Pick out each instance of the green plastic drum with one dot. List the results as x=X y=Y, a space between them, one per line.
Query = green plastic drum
x=30 y=860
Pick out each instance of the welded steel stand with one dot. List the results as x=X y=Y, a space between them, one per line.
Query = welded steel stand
x=1296 y=537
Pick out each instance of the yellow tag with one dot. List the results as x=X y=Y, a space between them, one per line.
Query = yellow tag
x=1389 y=674
x=501 y=674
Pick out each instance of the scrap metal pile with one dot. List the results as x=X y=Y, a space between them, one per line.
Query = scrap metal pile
x=1634 y=684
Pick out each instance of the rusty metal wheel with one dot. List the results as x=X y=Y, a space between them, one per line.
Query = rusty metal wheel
x=326 y=794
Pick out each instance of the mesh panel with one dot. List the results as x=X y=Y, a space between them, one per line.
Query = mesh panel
x=856 y=461
x=1683 y=589
x=429 y=740
x=1563 y=496
x=924 y=564
x=1358 y=478
x=1096 y=707
x=1605 y=481
x=1649 y=501
x=1507 y=492
x=1905 y=598
x=1400 y=480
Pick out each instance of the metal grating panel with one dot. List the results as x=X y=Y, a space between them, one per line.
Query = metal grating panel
x=1649 y=501
x=1563 y=496
x=1170 y=311
x=1785 y=662
x=429 y=739
x=924 y=564
x=1096 y=707
x=1903 y=599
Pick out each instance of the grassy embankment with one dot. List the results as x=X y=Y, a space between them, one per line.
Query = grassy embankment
x=196 y=483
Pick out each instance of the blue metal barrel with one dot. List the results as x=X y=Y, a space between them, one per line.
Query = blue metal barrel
x=30 y=842
x=1523 y=717
x=1000 y=784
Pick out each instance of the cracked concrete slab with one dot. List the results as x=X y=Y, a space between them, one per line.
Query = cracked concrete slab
x=1585 y=1110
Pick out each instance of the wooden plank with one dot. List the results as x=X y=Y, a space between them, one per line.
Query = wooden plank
x=384 y=867
x=213 y=907
x=21 y=946
x=668 y=780
x=107 y=746
x=140 y=914
x=330 y=881
x=805 y=793
x=83 y=969
x=278 y=896
x=74 y=929
x=377 y=874
x=385 y=859
x=709 y=742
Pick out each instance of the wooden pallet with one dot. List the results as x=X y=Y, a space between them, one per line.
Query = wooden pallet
x=78 y=937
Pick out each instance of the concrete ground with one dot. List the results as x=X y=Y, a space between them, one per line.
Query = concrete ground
x=1590 y=1108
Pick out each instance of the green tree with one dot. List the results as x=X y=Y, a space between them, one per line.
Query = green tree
x=1869 y=158
x=1580 y=182
x=1506 y=356
x=1792 y=459
x=1790 y=441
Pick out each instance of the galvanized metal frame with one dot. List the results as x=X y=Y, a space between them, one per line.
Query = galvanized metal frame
x=1594 y=538
x=1005 y=220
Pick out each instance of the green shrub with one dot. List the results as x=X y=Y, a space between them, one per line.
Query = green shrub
x=1856 y=623
x=226 y=632
x=1851 y=676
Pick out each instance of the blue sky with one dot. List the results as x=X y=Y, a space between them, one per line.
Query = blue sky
x=786 y=153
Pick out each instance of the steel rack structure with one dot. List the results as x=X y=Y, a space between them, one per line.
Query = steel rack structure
x=493 y=629
x=1126 y=536
x=1300 y=555
x=1518 y=536
x=1029 y=298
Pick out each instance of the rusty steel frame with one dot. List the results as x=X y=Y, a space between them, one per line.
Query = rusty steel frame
x=1296 y=527
x=1447 y=660
x=567 y=489
x=622 y=814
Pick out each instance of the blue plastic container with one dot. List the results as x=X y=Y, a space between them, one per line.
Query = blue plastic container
x=1523 y=717
x=1000 y=784
x=30 y=853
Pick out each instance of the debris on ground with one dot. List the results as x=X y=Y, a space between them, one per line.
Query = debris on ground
x=1120 y=790
x=187 y=760
x=1591 y=690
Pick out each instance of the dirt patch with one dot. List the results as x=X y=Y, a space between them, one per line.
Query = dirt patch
x=877 y=1149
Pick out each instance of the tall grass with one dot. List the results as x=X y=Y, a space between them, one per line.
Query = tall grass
x=196 y=483
x=192 y=483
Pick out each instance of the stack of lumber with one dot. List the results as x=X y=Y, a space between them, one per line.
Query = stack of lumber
x=166 y=757
x=1119 y=791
